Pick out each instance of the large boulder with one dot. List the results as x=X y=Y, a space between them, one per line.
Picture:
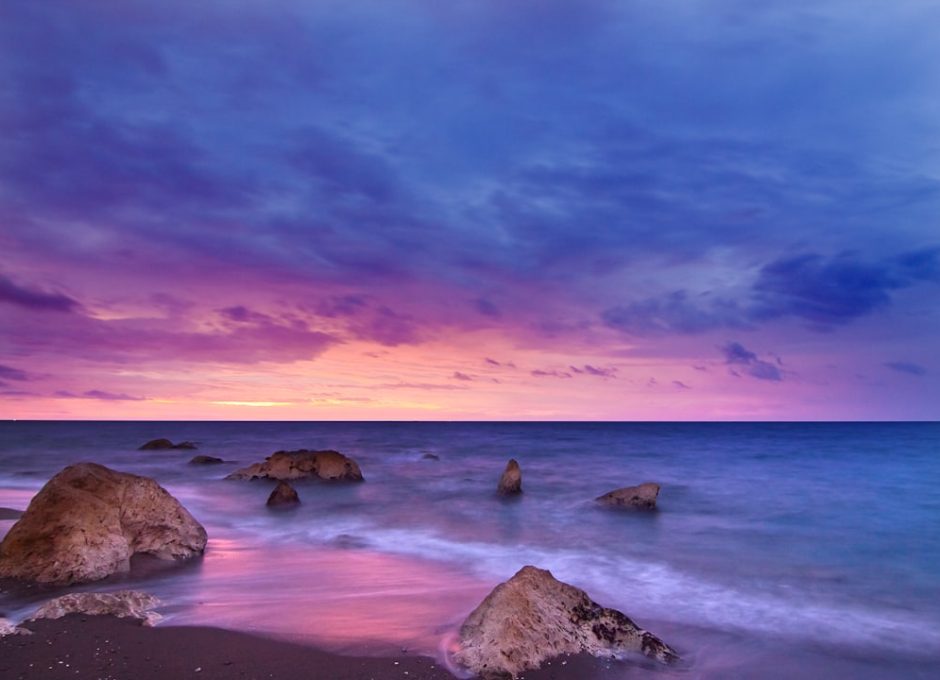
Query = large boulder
x=510 y=483
x=163 y=444
x=642 y=497
x=132 y=604
x=285 y=465
x=88 y=521
x=533 y=617
x=284 y=496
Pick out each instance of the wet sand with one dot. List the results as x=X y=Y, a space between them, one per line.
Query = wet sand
x=121 y=649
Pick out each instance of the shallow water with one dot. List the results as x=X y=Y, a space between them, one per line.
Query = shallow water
x=778 y=549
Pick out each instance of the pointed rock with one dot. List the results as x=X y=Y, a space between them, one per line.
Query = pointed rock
x=533 y=617
x=642 y=497
x=283 y=496
x=87 y=522
x=510 y=483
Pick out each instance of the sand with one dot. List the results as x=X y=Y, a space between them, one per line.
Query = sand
x=121 y=649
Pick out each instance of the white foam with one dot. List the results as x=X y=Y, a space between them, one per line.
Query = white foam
x=654 y=591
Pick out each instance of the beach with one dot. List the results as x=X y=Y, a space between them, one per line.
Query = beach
x=823 y=575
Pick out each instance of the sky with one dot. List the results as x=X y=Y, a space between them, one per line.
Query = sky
x=470 y=210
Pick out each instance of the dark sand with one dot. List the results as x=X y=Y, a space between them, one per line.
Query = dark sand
x=121 y=649
x=10 y=513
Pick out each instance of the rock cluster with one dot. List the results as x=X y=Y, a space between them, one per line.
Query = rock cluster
x=87 y=522
x=302 y=464
x=533 y=617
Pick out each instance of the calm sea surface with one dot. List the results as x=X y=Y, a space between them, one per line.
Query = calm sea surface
x=779 y=550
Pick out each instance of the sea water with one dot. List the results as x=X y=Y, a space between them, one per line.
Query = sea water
x=778 y=550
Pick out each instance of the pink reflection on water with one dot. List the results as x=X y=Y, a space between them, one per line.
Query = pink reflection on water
x=346 y=600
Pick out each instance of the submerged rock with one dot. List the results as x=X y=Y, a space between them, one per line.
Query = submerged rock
x=510 y=483
x=533 y=617
x=10 y=513
x=163 y=444
x=284 y=465
x=642 y=497
x=132 y=604
x=283 y=496
x=88 y=521
x=430 y=456
x=205 y=460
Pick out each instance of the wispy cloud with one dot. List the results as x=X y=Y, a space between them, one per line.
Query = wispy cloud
x=906 y=367
x=98 y=394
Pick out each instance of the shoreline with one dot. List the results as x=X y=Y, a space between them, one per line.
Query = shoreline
x=107 y=647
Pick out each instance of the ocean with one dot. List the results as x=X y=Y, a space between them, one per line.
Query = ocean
x=779 y=550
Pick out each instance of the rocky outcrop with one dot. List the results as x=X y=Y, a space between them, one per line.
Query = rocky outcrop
x=205 y=460
x=642 y=497
x=510 y=483
x=10 y=513
x=284 y=496
x=122 y=604
x=285 y=465
x=88 y=521
x=430 y=456
x=163 y=444
x=533 y=617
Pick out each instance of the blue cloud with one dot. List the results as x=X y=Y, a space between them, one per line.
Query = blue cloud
x=739 y=357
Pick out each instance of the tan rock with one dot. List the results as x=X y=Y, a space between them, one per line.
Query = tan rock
x=285 y=465
x=132 y=604
x=642 y=497
x=510 y=482
x=283 y=496
x=533 y=617
x=88 y=521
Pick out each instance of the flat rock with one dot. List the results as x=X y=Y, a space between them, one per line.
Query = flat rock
x=9 y=628
x=642 y=497
x=303 y=464
x=283 y=496
x=205 y=460
x=510 y=483
x=163 y=444
x=533 y=617
x=132 y=604
x=87 y=522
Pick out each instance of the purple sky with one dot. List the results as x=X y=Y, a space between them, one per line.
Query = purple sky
x=413 y=209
